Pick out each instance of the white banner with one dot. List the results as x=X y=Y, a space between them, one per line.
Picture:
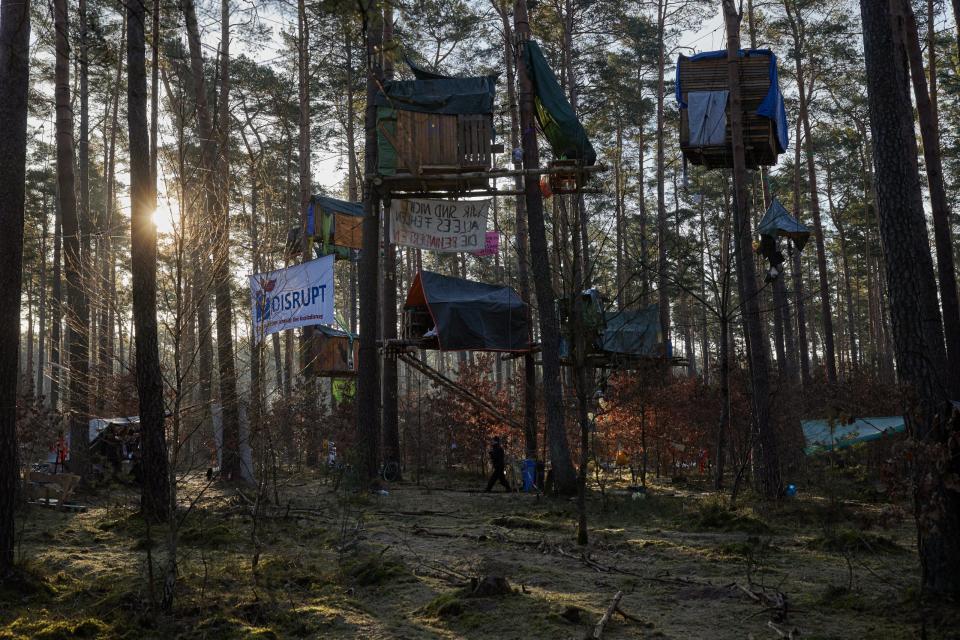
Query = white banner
x=297 y=296
x=439 y=225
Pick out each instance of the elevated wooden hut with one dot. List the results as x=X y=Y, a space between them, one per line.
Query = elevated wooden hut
x=702 y=90
x=335 y=353
x=436 y=125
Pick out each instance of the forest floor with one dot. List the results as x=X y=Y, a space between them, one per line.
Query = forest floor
x=336 y=564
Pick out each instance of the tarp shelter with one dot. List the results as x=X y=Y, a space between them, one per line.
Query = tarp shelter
x=826 y=435
x=634 y=332
x=469 y=316
x=777 y=222
x=702 y=85
x=556 y=117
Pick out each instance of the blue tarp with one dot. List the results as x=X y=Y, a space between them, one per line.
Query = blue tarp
x=772 y=106
x=821 y=436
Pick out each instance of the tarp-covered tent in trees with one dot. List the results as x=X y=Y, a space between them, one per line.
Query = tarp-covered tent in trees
x=777 y=222
x=618 y=338
x=333 y=226
x=635 y=333
x=453 y=314
x=435 y=124
x=702 y=90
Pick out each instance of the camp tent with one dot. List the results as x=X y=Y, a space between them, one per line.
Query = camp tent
x=556 y=117
x=826 y=435
x=100 y=428
x=466 y=315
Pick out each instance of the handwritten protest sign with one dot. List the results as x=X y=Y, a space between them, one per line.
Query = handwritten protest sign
x=439 y=225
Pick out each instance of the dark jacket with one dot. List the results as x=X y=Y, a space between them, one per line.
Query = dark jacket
x=497 y=456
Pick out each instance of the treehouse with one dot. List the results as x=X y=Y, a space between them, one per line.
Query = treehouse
x=433 y=129
x=333 y=226
x=453 y=314
x=702 y=90
x=334 y=352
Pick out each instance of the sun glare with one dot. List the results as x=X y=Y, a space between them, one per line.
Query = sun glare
x=163 y=219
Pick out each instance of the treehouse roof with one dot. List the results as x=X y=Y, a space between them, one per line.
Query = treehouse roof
x=772 y=105
x=434 y=93
x=471 y=316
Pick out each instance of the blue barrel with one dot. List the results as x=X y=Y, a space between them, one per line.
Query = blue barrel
x=529 y=474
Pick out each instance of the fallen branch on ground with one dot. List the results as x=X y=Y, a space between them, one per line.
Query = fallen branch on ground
x=614 y=605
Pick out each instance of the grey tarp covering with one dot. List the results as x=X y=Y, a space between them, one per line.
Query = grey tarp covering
x=472 y=316
x=708 y=118
x=440 y=95
x=634 y=332
x=777 y=221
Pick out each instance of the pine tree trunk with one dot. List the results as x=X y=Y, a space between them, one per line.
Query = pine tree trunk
x=564 y=476
x=14 y=80
x=368 y=378
x=143 y=255
x=799 y=39
x=307 y=376
x=797 y=273
x=76 y=313
x=914 y=310
x=523 y=258
x=766 y=437
x=56 y=372
x=662 y=294
x=939 y=205
x=42 y=346
x=391 y=423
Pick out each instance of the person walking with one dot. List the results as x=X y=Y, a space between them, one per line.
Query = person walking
x=498 y=459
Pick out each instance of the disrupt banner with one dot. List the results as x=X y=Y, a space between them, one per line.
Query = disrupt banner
x=297 y=296
x=439 y=225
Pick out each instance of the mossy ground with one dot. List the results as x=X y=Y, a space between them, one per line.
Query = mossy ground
x=336 y=565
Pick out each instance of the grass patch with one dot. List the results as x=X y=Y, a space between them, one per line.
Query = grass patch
x=845 y=540
x=372 y=570
x=445 y=605
x=713 y=516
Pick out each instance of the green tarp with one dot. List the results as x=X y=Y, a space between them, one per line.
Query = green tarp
x=556 y=117
x=825 y=435
x=452 y=96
